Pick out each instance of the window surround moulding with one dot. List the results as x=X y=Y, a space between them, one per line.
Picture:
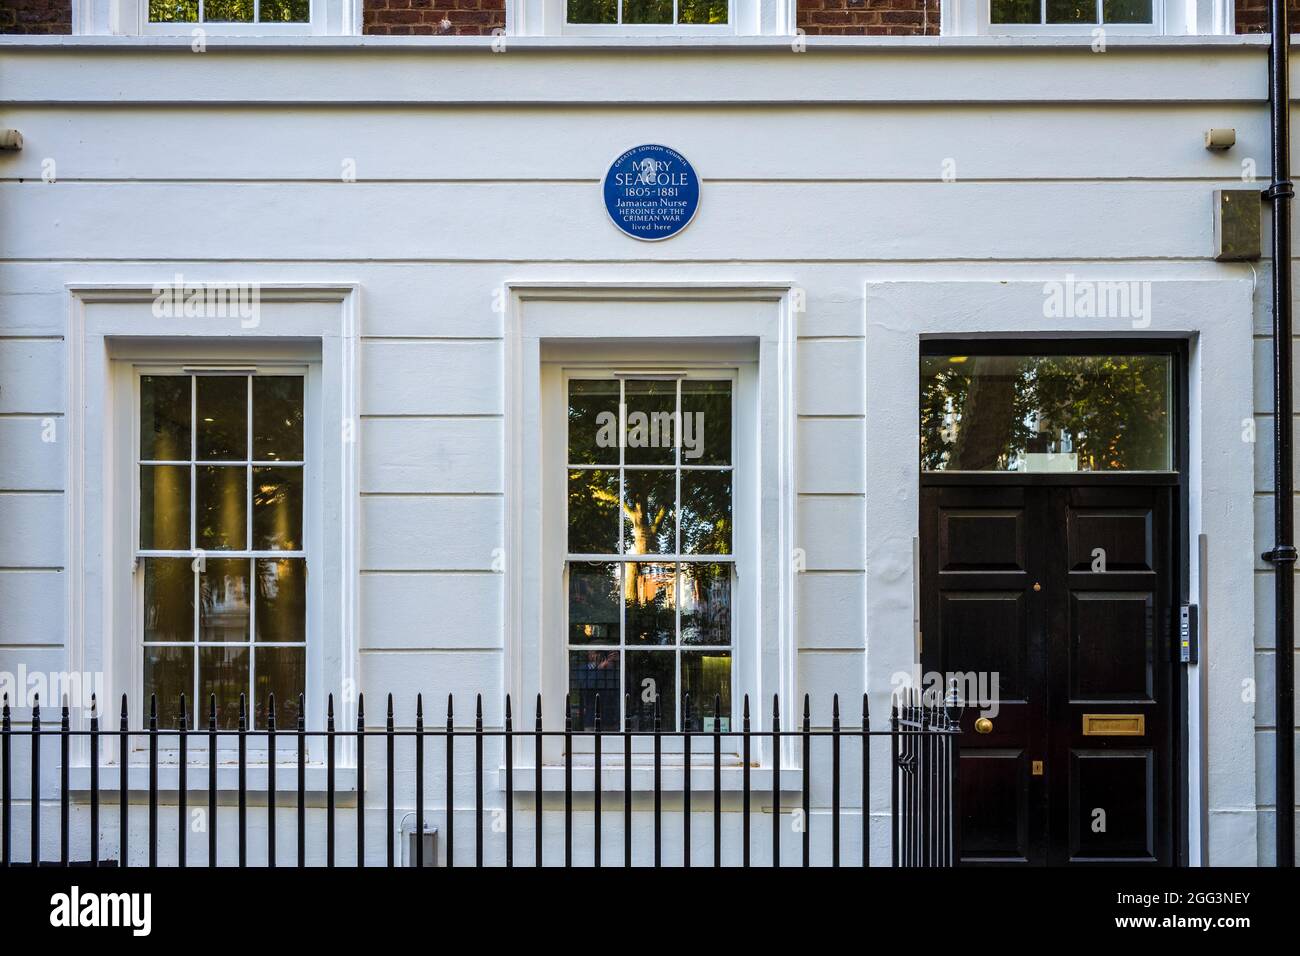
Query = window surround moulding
x=969 y=18
x=573 y=317
x=95 y=351
x=131 y=18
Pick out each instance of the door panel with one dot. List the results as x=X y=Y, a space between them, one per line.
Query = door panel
x=1058 y=599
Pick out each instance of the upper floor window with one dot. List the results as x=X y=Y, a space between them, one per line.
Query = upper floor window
x=642 y=15
x=233 y=16
x=1070 y=15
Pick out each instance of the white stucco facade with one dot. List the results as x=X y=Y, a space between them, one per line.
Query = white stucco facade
x=425 y=223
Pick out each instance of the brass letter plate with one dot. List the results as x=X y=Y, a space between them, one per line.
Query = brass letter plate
x=1114 y=725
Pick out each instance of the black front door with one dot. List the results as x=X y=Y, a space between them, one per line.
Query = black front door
x=1051 y=598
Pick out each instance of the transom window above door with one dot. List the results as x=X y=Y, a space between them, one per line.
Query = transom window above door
x=650 y=561
x=1036 y=413
x=221 y=564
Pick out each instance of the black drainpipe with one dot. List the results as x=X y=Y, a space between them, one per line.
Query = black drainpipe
x=1283 y=555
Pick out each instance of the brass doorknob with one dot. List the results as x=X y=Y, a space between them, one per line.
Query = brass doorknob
x=983 y=726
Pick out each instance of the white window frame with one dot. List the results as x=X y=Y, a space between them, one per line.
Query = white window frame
x=111 y=332
x=131 y=18
x=743 y=505
x=1170 y=18
x=653 y=29
x=312 y=479
x=555 y=327
x=745 y=18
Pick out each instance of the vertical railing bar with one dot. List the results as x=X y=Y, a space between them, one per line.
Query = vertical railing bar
x=94 y=781
x=361 y=779
x=595 y=793
x=64 y=729
x=388 y=740
x=419 y=780
x=153 y=780
x=243 y=781
x=894 y=827
x=717 y=780
x=627 y=780
x=6 y=794
x=537 y=785
x=329 y=781
x=182 y=786
x=866 y=782
x=478 y=782
x=270 y=781
x=658 y=762
x=302 y=781
x=510 y=785
x=744 y=773
x=686 y=780
x=568 y=781
x=123 y=787
x=807 y=781
x=451 y=781
x=776 y=780
x=36 y=781
x=212 y=780
x=835 y=781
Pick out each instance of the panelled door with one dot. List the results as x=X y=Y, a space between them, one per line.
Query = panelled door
x=1051 y=599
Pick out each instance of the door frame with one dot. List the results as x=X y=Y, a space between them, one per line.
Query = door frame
x=1215 y=318
x=1177 y=350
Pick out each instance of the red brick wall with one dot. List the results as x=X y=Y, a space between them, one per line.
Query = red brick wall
x=870 y=17
x=35 y=16
x=1252 y=16
x=431 y=17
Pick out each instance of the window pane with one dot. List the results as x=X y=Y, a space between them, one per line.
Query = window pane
x=281 y=671
x=281 y=599
x=649 y=594
x=168 y=673
x=701 y=11
x=223 y=600
x=706 y=423
x=647 y=11
x=1126 y=11
x=706 y=676
x=277 y=415
x=706 y=512
x=168 y=599
x=592 y=673
x=1071 y=11
x=223 y=671
x=593 y=603
x=593 y=422
x=228 y=11
x=277 y=508
x=222 y=407
x=164 y=418
x=593 y=11
x=165 y=507
x=649 y=512
x=706 y=603
x=284 y=11
x=1015 y=11
x=651 y=416
x=593 y=512
x=651 y=678
x=221 y=497
x=1046 y=413
x=173 y=11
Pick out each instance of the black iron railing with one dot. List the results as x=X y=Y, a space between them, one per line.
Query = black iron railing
x=923 y=742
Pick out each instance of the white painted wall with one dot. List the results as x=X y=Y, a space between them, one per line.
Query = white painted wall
x=478 y=171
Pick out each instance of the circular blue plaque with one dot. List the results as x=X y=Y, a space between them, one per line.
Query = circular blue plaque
x=651 y=192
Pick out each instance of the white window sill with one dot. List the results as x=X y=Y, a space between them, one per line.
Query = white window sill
x=255 y=776
x=671 y=779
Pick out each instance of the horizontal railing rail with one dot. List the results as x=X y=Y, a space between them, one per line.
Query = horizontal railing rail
x=923 y=742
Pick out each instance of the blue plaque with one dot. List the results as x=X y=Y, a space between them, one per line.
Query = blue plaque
x=652 y=192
